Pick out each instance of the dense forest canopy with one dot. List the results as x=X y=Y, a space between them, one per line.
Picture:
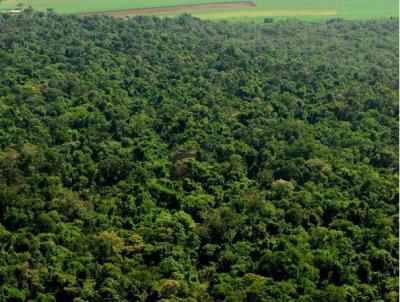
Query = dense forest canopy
x=169 y=159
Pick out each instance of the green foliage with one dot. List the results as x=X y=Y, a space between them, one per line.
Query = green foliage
x=155 y=159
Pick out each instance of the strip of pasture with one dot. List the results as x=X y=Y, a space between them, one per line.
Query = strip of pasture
x=176 y=9
x=266 y=13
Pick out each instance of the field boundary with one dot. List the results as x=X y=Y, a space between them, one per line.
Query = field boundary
x=268 y=13
x=173 y=9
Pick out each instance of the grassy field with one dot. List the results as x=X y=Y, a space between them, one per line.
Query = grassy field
x=310 y=10
x=82 y=6
x=302 y=9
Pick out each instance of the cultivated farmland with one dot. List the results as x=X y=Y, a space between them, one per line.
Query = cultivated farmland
x=223 y=6
x=219 y=9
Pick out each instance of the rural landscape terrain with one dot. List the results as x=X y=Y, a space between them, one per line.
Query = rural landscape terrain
x=255 y=10
x=163 y=157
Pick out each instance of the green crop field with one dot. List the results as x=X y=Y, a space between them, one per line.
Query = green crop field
x=313 y=9
x=302 y=9
x=80 y=6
